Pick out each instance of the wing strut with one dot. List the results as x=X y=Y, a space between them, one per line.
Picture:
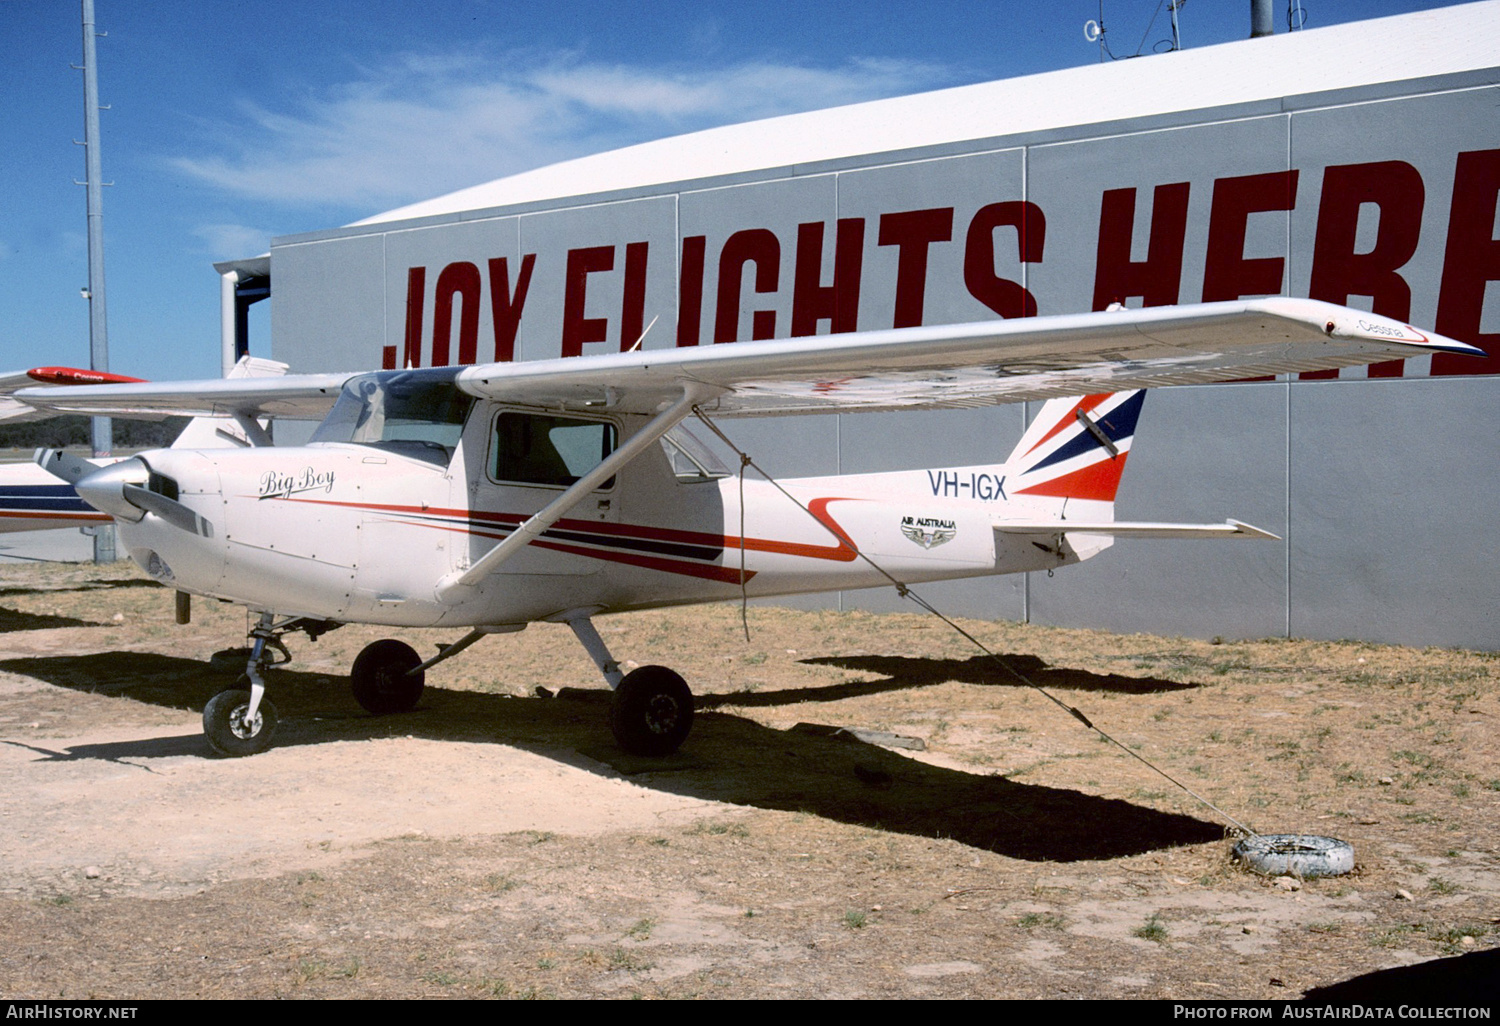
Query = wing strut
x=448 y=589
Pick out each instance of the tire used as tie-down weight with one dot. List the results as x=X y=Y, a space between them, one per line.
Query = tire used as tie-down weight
x=1300 y=855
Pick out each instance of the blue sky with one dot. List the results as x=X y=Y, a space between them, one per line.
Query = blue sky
x=231 y=124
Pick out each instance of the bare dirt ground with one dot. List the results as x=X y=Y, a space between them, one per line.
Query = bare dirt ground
x=496 y=843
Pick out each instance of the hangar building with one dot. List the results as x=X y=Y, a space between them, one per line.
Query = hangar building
x=1358 y=164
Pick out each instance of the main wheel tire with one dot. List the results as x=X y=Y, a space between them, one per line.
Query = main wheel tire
x=652 y=711
x=227 y=730
x=381 y=679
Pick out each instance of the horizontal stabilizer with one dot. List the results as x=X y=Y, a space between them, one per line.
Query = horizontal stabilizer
x=1125 y=529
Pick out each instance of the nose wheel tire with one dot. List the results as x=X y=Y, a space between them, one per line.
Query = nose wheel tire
x=227 y=729
x=652 y=711
x=381 y=681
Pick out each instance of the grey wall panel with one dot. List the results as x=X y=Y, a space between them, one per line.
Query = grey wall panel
x=783 y=446
x=1170 y=181
x=1200 y=455
x=936 y=216
x=872 y=442
x=328 y=313
x=1388 y=171
x=749 y=240
x=616 y=298
x=1394 y=490
x=417 y=263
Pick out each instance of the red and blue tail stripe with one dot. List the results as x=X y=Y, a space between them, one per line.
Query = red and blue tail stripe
x=1076 y=448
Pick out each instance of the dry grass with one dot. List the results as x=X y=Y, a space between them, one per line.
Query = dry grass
x=1017 y=857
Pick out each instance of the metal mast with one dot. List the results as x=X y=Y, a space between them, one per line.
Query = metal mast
x=101 y=434
x=1261 y=21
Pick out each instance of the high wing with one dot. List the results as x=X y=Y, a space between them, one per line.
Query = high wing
x=300 y=396
x=15 y=412
x=978 y=364
x=961 y=365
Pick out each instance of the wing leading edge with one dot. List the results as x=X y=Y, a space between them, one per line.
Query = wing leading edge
x=961 y=365
x=302 y=396
x=981 y=364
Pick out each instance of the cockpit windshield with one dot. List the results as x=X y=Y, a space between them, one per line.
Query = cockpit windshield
x=414 y=413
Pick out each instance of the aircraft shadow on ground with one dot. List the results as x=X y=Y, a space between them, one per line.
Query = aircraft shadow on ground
x=129 y=582
x=15 y=620
x=1463 y=980
x=727 y=758
x=904 y=672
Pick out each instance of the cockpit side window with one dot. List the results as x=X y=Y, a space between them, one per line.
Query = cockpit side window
x=691 y=460
x=539 y=449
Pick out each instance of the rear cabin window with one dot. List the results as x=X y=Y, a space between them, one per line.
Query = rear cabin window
x=534 y=449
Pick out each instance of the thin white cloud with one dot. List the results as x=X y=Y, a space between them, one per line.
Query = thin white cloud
x=227 y=241
x=425 y=125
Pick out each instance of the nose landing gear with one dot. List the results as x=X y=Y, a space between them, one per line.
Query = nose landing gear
x=233 y=729
x=242 y=720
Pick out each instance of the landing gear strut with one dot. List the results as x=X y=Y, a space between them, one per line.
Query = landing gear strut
x=652 y=709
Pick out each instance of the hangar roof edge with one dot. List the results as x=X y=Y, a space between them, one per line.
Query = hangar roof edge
x=1424 y=44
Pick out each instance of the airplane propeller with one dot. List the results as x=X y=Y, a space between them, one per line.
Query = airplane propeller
x=170 y=510
x=121 y=490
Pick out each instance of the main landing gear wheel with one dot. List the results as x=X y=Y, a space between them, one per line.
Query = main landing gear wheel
x=652 y=711
x=380 y=678
x=227 y=729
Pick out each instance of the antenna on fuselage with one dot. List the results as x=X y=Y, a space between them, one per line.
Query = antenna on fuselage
x=644 y=334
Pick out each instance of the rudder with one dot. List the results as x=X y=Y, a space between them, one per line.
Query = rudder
x=1076 y=447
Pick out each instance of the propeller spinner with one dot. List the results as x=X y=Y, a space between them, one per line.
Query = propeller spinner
x=128 y=490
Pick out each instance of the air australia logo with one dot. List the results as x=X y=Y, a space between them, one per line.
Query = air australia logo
x=276 y=485
x=928 y=532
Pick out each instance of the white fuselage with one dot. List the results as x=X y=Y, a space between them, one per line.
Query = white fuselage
x=360 y=533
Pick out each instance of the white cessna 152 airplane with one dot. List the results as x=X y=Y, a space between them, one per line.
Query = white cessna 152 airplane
x=493 y=496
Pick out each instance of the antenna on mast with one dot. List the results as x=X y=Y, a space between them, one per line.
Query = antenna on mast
x=1093 y=31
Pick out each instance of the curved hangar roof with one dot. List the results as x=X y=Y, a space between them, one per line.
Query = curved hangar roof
x=1437 y=42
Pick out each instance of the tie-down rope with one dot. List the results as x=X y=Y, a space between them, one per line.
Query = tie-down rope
x=905 y=592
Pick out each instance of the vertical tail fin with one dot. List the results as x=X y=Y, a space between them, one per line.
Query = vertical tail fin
x=1076 y=447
